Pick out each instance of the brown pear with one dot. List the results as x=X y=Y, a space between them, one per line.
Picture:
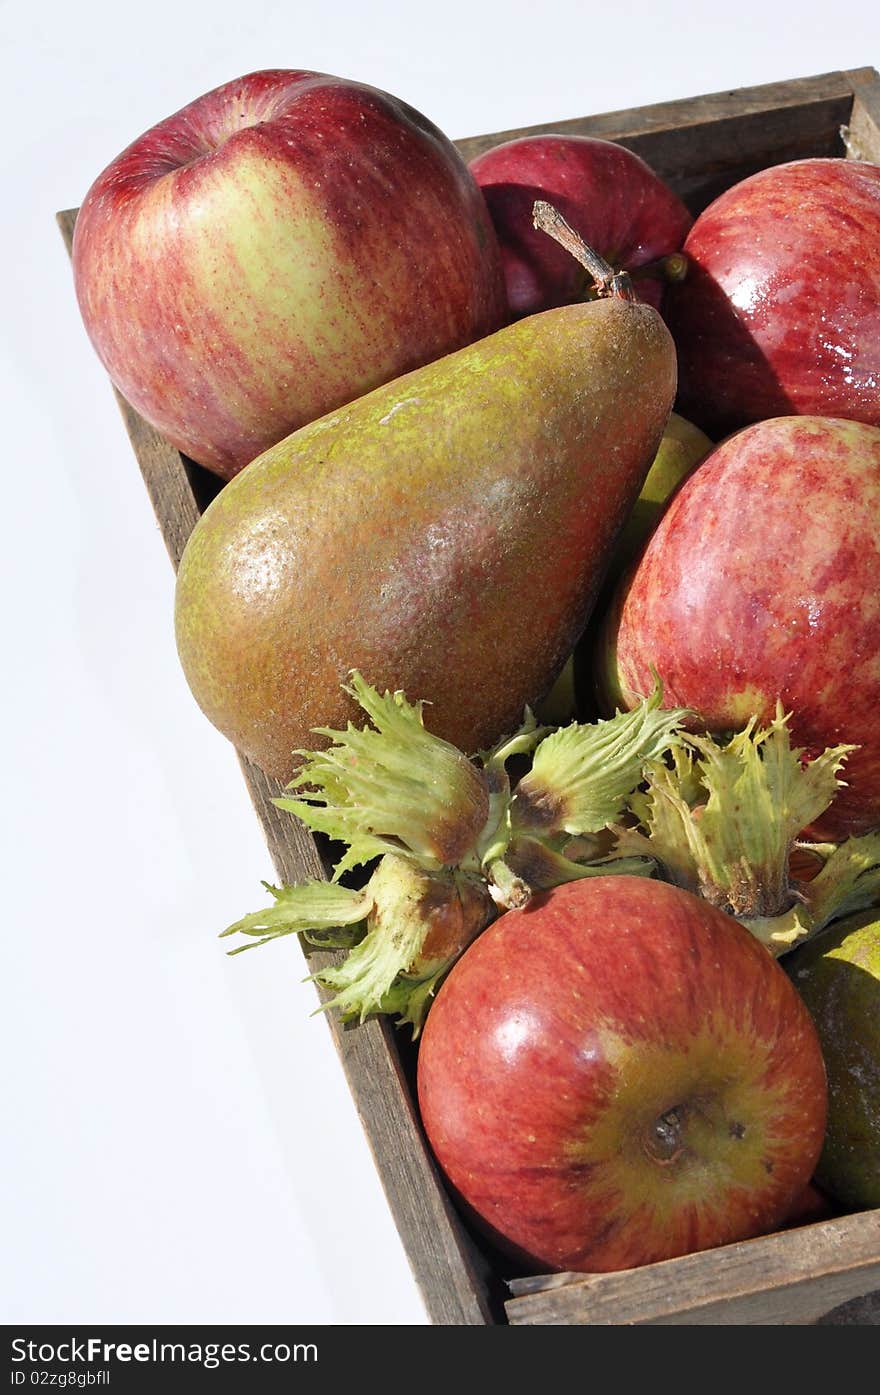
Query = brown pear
x=445 y=534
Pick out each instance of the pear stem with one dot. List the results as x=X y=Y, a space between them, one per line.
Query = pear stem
x=608 y=282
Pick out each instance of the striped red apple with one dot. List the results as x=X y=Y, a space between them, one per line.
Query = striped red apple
x=283 y=244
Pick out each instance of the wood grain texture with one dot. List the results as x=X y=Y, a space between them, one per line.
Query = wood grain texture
x=864 y=122
x=791 y=1278
x=704 y=144
x=700 y=146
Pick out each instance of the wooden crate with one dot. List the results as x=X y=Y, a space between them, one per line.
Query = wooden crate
x=700 y=147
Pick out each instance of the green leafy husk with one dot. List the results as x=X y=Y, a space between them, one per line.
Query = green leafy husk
x=495 y=837
x=403 y=931
x=453 y=839
x=540 y=868
x=324 y=913
x=582 y=775
x=581 y=779
x=394 y=963
x=390 y=787
x=724 y=818
x=848 y=882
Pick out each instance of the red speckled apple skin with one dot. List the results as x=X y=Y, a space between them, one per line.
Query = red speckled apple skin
x=620 y=1074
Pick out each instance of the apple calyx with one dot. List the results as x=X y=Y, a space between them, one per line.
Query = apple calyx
x=724 y=819
x=664 y=1140
x=606 y=280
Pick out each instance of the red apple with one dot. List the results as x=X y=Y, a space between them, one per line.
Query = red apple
x=277 y=248
x=780 y=308
x=616 y=202
x=762 y=582
x=618 y=1074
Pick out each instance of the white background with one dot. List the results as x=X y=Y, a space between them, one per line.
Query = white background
x=179 y=1144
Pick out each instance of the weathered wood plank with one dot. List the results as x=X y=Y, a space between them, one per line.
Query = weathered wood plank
x=714 y=109
x=791 y=1278
x=864 y=122
x=702 y=145
x=452 y=1274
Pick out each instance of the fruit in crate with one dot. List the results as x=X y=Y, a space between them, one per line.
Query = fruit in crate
x=762 y=583
x=780 y=308
x=445 y=535
x=682 y=448
x=728 y=819
x=838 y=976
x=280 y=246
x=642 y=1080
x=451 y=840
x=619 y=205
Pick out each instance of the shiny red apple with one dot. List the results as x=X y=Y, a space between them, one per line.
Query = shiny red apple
x=613 y=198
x=762 y=583
x=780 y=309
x=618 y=1074
x=280 y=246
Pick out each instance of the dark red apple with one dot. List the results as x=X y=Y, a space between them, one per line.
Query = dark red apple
x=780 y=308
x=618 y=1074
x=616 y=202
x=762 y=583
x=280 y=246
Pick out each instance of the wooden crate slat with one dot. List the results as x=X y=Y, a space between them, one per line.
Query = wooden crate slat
x=710 y=109
x=790 y=1278
x=453 y=1275
x=702 y=145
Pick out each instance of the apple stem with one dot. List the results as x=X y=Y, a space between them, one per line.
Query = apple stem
x=608 y=282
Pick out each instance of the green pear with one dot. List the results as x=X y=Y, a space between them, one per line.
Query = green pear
x=445 y=535
x=838 y=976
x=560 y=706
x=682 y=448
